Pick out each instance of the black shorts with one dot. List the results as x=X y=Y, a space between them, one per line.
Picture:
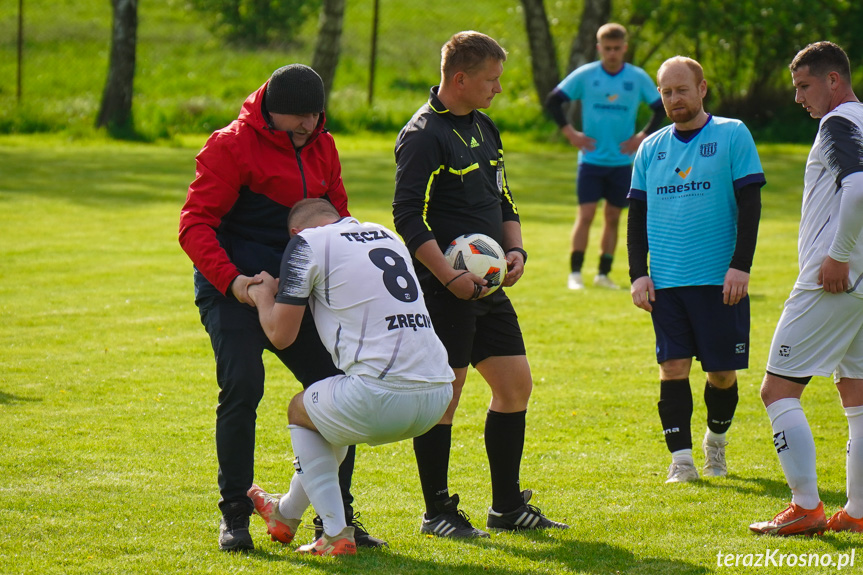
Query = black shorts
x=692 y=321
x=472 y=331
x=609 y=182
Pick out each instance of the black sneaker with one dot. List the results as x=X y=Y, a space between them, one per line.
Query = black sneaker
x=362 y=537
x=525 y=517
x=450 y=522
x=234 y=534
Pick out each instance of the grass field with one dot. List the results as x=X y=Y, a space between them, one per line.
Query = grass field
x=107 y=391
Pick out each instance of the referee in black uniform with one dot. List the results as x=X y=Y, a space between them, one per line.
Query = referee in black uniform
x=450 y=180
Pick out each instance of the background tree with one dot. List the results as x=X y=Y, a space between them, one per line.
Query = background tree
x=115 y=113
x=543 y=56
x=744 y=46
x=256 y=23
x=328 y=45
x=594 y=14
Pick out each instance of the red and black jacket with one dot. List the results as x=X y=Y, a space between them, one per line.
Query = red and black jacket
x=248 y=176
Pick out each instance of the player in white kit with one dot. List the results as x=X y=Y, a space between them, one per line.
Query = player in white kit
x=820 y=331
x=359 y=282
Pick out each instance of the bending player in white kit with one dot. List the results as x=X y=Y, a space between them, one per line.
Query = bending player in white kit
x=359 y=282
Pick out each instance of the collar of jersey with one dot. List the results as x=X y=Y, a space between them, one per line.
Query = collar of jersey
x=689 y=135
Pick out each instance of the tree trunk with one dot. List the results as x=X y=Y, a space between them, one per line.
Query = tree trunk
x=328 y=46
x=543 y=55
x=115 y=112
x=594 y=14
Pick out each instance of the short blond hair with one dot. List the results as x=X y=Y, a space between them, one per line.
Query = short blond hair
x=611 y=31
x=309 y=211
x=693 y=66
x=467 y=51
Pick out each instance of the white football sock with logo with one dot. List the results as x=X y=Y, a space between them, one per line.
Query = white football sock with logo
x=854 y=462
x=318 y=473
x=795 y=446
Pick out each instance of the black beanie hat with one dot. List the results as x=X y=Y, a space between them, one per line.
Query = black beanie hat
x=295 y=89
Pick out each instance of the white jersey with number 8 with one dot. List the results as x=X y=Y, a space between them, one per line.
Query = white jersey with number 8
x=367 y=303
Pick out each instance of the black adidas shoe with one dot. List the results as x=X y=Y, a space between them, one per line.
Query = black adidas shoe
x=362 y=537
x=234 y=534
x=450 y=522
x=525 y=517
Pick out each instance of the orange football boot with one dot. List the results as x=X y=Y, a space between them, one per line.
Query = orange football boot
x=341 y=544
x=279 y=527
x=794 y=520
x=841 y=521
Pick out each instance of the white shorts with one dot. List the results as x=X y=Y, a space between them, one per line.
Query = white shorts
x=349 y=409
x=819 y=333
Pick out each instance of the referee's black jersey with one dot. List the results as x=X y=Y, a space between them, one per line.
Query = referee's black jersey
x=450 y=179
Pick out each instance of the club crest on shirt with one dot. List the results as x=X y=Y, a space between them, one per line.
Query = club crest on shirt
x=628 y=86
x=707 y=150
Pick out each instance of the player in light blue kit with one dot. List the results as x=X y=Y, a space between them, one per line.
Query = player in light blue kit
x=610 y=92
x=695 y=200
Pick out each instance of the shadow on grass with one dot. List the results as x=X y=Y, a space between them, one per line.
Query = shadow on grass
x=773 y=487
x=113 y=175
x=554 y=554
x=599 y=558
x=10 y=398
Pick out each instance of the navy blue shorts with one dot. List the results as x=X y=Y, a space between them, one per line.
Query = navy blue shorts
x=472 y=331
x=692 y=321
x=611 y=183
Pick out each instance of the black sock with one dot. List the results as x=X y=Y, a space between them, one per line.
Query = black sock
x=432 y=453
x=721 y=405
x=605 y=264
x=504 y=443
x=675 y=412
x=576 y=260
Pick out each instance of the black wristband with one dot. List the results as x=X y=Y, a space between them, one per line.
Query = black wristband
x=477 y=290
x=519 y=250
x=446 y=285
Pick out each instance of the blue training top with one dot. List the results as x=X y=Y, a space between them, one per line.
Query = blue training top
x=689 y=188
x=609 y=108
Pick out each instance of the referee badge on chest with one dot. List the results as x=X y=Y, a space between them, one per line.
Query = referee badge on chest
x=499 y=173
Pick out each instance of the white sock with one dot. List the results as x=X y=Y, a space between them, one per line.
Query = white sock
x=795 y=446
x=714 y=437
x=682 y=456
x=854 y=462
x=295 y=503
x=319 y=476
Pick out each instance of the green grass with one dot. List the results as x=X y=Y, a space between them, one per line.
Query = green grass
x=107 y=390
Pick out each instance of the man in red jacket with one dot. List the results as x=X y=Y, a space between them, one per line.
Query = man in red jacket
x=232 y=226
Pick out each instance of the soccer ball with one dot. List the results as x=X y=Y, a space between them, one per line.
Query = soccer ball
x=480 y=255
